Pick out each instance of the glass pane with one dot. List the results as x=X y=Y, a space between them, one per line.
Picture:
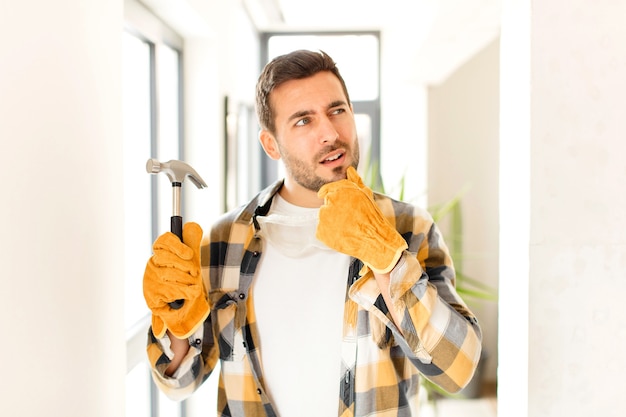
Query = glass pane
x=355 y=55
x=167 y=66
x=138 y=391
x=137 y=219
x=167 y=69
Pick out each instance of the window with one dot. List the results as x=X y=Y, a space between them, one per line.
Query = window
x=152 y=105
x=357 y=55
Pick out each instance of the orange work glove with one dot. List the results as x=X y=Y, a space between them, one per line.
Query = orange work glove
x=173 y=273
x=350 y=222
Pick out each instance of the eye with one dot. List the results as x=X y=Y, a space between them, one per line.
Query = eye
x=303 y=121
x=339 y=110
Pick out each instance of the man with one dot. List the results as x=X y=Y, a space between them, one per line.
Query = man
x=319 y=297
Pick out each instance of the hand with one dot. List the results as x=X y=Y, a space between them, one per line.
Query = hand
x=350 y=222
x=173 y=273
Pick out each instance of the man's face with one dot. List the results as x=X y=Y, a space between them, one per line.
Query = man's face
x=315 y=130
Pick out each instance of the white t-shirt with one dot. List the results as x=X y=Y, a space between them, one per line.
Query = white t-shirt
x=299 y=295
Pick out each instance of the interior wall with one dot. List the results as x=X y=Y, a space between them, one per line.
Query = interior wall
x=563 y=91
x=63 y=347
x=577 y=240
x=463 y=135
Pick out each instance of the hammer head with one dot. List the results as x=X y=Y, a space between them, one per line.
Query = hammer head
x=176 y=171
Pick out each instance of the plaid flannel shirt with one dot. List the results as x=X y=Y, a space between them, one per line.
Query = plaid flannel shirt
x=438 y=338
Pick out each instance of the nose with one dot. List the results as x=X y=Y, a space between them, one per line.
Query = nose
x=328 y=132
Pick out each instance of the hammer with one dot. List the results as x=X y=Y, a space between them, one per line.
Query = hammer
x=176 y=171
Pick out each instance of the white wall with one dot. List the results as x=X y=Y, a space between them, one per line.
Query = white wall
x=577 y=239
x=61 y=253
x=463 y=136
x=564 y=109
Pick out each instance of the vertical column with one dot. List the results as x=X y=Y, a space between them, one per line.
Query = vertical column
x=577 y=244
x=515 y=131
x=562 y=178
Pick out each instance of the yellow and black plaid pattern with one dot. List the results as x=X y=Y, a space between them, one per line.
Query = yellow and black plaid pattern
x=438 y=338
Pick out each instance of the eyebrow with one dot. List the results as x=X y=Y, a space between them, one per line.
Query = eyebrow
x=302 y=113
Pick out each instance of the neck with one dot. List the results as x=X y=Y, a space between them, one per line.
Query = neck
x=297 y=195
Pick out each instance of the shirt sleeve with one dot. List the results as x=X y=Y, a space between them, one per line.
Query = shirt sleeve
x=438 y=332
x=437 y=326
x=193 y=370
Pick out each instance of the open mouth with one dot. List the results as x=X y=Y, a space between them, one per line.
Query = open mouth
x=332 y=158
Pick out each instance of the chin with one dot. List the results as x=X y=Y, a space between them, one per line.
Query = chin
x=339 y=170
x=339 y=173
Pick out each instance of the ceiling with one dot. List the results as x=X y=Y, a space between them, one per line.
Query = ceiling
x=429 y=38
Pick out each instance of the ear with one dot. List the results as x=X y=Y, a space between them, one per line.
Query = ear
x=268 y=142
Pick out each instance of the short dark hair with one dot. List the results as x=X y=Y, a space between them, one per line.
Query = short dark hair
x=292 y=66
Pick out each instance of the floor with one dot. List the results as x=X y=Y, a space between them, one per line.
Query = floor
x=480 y=407
x=484 y=406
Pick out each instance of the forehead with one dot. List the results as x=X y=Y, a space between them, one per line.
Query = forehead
x=307 y=93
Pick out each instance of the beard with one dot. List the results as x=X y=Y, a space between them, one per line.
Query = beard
x=303 y=172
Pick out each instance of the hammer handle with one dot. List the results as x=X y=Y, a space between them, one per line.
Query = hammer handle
x=176 y=227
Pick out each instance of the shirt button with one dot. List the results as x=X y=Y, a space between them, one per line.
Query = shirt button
x=258 y=391
x=197 y=342
x=242 y=296
x=255 y=253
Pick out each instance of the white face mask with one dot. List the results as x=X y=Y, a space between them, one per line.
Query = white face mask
x=290 y=229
